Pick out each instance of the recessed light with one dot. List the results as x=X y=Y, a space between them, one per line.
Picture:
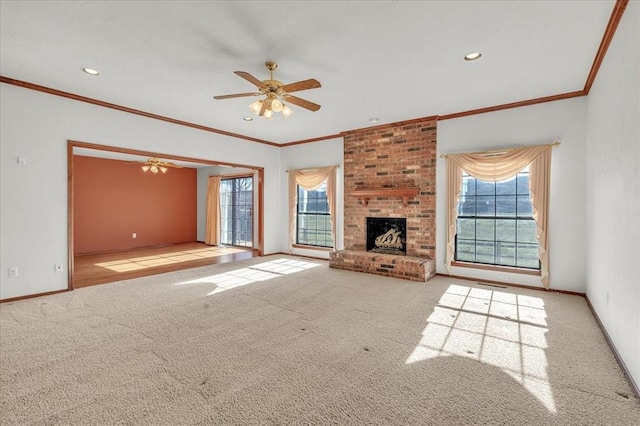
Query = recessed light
x=247 y=118
x=472 y=56
x=91 y=71
x=374 y=119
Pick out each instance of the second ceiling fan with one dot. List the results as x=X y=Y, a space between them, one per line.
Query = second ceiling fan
x=155 y=165
x=276 y=92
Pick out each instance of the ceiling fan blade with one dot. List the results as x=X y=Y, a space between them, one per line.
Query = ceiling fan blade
x=168 y=164
x=311 y=83
x=302 y=103
x=265 y=104
x=237 y=95
x=251 y=79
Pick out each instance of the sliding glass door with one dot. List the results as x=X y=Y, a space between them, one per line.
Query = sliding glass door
x=236 y=205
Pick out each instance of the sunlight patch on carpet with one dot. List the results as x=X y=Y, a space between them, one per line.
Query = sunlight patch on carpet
x=500 y=329
x=251 y=274
x=143 y=262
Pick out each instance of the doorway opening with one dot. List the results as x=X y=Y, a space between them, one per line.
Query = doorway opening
x=197 y=255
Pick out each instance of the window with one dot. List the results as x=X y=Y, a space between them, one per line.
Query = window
x=236 y=206
x=495 y=223
x=313 y=221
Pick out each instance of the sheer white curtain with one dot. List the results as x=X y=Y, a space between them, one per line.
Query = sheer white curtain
x=212 y=232
x=498 y=166
x=311 y=179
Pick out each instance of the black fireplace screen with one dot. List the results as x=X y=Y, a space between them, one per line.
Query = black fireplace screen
x=387 y=235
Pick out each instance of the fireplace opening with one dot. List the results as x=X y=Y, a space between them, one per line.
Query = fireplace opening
x=387 y=235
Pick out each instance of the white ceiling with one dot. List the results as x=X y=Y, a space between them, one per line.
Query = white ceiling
x=134 y=158
x=395 y=60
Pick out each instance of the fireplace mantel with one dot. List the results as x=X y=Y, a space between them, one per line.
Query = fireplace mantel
x=404 y=193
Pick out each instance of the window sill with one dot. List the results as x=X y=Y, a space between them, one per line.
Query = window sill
x=508 y=269
x=301 y=246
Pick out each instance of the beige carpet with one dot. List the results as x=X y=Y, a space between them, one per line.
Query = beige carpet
x=284 y=341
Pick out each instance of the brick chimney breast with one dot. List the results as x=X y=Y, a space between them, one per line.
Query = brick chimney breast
x=400 y=160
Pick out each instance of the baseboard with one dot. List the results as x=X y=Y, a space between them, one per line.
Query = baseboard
x=509 y=284
x=616 y=354
x=92 y=253
x=298 y=255
x=31 y=296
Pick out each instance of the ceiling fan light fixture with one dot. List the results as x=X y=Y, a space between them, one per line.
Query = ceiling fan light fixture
x=268 y=114
x=255 y=107
x=276 y=105
x=286 y=111
x=155 y=165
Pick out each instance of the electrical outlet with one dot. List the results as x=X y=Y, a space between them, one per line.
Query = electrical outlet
x=59 y=267
x=134 y=235
x=13 y=272
x=607 y=298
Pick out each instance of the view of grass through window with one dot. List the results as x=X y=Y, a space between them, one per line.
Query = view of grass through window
x=495 y=223
x=313 y=219
x=236 y=206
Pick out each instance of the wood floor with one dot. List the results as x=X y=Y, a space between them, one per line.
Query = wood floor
x=92 y=269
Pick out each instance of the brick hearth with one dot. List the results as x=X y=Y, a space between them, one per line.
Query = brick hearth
x=381 y=163
x=406 y=267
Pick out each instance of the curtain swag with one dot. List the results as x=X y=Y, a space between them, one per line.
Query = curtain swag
x=310 y=179
x=498 y=166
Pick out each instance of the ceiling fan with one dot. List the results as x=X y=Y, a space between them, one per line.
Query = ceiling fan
x=276 y=92
x=155 y=165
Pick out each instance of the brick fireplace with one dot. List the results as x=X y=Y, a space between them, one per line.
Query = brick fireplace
x=390 y=172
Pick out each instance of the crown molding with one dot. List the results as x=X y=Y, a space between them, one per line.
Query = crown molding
x=519 y=104
x=612 y=26
x=104 y=104
x=387 y=125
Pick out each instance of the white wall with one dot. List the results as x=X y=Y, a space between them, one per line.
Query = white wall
x=317 y=154
x=613 y=201
x=33 y=198
x=537 y=124
x=202 y=183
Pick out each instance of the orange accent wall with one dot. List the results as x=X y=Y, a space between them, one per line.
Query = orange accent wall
x=113 y=199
